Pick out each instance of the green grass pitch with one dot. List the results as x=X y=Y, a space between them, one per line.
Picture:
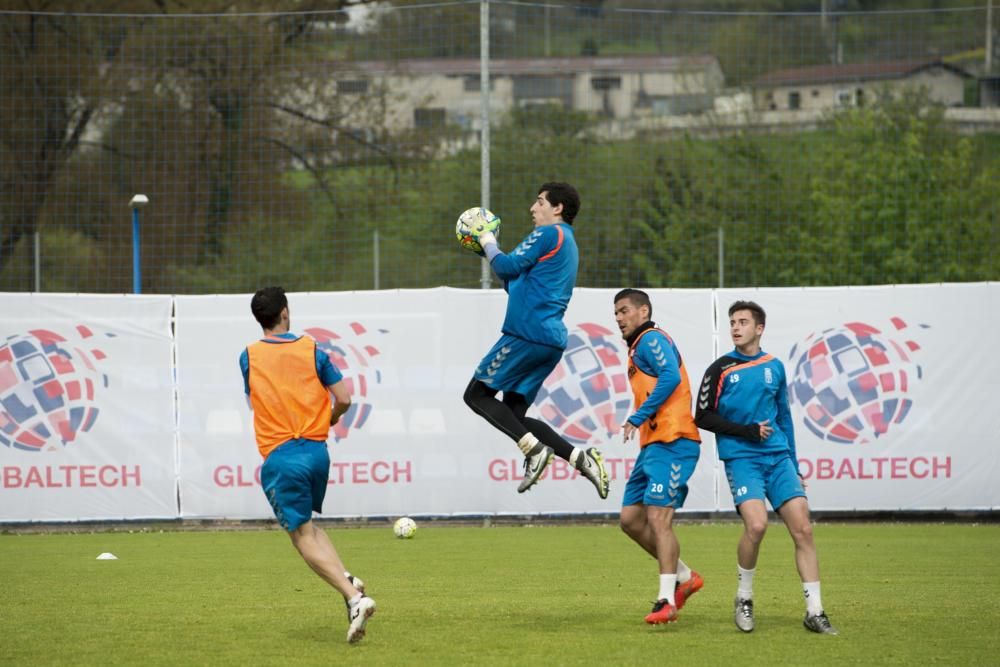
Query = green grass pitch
x=901 y=594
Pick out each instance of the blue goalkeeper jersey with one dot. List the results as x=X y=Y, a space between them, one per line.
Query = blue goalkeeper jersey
x=737 y=393
x=539 y=276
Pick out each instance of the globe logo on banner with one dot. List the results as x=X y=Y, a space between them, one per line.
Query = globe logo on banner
x=587 y=394
x=853 y=381
x=352 y=356
x=48 y=387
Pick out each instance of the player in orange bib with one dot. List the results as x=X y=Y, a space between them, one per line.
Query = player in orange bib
x=669 y=448
x=288 y=383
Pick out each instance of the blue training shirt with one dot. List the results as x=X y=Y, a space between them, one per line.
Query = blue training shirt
x=737 y=393
x=539 y=276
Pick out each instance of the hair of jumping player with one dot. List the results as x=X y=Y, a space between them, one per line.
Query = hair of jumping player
x=267 y=305
x=565 y=194
x=759 y=316
x=637 y=297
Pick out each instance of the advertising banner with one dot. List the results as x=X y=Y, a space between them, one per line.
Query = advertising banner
x=110 y=409
x=889 y=390
x=86 y=408
x=409 y=444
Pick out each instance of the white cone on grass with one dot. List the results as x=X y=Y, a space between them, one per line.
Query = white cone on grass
x=107 y=555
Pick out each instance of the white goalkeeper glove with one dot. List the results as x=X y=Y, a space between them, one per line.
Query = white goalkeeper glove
x=486 y=238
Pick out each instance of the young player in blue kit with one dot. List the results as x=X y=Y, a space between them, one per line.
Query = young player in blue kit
x=744 y=401
x=538 y=276
x=670 y=445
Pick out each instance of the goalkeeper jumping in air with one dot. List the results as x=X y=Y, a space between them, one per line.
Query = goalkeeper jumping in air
x=538 y=276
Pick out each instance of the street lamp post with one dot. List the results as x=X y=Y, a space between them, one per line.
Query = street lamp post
x=137 y=202
x=485 y=275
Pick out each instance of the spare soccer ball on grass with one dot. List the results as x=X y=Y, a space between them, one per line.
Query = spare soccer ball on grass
x=473 y=222
x=404 y=528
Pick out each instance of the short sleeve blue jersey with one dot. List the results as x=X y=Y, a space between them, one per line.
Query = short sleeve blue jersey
x=328 y=374
x=539 y=276
x=738 y=393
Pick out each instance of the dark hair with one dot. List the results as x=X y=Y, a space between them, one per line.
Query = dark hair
x=565 y=194
x=759 y=317
x=637 y=297
x=267 y=305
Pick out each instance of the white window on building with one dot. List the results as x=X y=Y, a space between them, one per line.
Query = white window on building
x=844 y=97
x=606 y=82
x=428 y=117
x=471 y=83
x=794 y=100
x=352 y=86
x=530 y=90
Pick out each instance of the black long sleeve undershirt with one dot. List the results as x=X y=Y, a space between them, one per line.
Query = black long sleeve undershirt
x=706 y=416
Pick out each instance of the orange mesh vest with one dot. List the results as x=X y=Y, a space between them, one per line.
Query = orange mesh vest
x=673 y=420
x=287 y=397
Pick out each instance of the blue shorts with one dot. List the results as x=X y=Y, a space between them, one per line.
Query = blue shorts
x=661 y=474
x=515 y=365
x=773 y=477
x=294 y=478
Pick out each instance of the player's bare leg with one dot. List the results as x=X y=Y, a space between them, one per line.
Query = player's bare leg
x=637 y=522
x=330 y=552
x=318 y=552
x=659 y=522
x=634 y=522
x=795 y=514
x=754 y=515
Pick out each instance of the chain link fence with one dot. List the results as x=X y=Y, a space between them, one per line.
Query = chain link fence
x=334 y=149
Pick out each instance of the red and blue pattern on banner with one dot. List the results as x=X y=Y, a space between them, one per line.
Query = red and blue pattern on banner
x=587 y=395
x=353 y=357
x=48 y=388
x=853 y=381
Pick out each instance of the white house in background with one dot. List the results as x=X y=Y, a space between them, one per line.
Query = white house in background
x=430 y=92
x=831 y=86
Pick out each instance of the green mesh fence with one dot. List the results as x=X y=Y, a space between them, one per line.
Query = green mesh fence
x=828 y=143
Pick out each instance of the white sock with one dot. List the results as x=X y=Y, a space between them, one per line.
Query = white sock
x=667 y=584
x=527 y=443
x=575 y=457
x=354 y=600
x=745 y=588
x=814 y=604
x=683 y=571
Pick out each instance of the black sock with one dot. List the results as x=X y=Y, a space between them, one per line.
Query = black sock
x=484 y=403
x=549 y=437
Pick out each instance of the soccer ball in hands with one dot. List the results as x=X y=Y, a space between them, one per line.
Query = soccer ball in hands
x=472 y=223
x=404 y=528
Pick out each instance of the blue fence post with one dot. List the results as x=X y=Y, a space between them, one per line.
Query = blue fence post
x=137 y=202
